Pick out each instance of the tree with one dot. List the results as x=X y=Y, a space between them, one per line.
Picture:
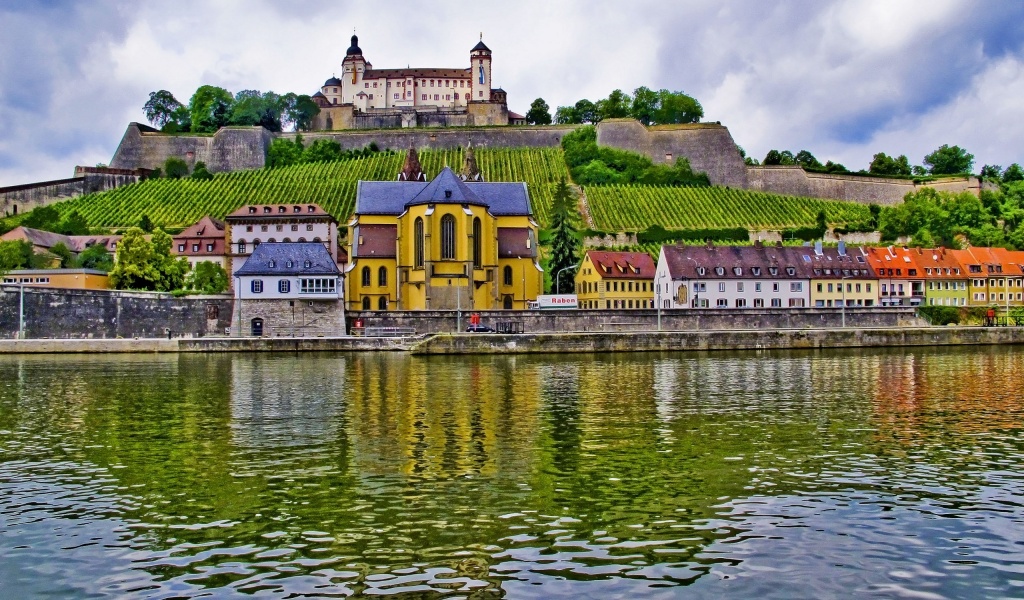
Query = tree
x=283 y=152
x=147 y=264
x=43 y=217
x=161 y=108
x=883 y=164
x=565 y=242
x=322 y=150
x=61 y=251
x=15 y=254
x=95 y=257
x=209 y=109
x=207 y=278
x=615 y=106
x=298 y=111
x=74 y=224
x=991 y=172
x=175 y=168
x=677 y=107
x=567 y=115
x=774 y=157
x=807 y=160
x=586 y=111
x=1013 y=173
x=253 y=108
x=949 y=160
x=201 y=172
x=539 y=113
x=146 y=224
x=644 y=105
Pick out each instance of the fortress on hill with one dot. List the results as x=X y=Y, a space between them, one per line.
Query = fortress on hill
x=368 y=98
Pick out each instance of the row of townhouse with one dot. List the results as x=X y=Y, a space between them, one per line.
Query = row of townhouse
x=766 y=276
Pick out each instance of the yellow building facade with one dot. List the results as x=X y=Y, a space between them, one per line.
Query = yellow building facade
x=615 y=280
x=442 y=245
x=72 y=279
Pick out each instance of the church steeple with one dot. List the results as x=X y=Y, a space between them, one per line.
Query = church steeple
x=411 y=170
x=470 y=171
x=354 y=49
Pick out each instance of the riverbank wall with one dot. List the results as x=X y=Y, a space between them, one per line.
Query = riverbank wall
x=548 y=343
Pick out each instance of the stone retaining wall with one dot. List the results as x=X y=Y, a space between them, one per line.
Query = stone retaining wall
x=644 y=320
x=52 y=313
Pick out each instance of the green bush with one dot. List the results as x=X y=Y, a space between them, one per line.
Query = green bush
x=657 y=234
x=940 y=315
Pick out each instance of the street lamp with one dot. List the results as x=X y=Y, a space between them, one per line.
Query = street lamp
x=559 y=274
x=661 y=277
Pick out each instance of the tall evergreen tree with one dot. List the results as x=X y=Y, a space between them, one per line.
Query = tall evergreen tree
x=565 y=241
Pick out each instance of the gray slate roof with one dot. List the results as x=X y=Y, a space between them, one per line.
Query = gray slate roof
x=289 y=258
x=392 y=197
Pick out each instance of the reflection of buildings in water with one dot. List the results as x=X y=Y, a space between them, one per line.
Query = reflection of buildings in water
x=438 y=418
x=976 y=390
x=279 y=401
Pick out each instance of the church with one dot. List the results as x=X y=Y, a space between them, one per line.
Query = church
x=368 y=98
x=456 y=242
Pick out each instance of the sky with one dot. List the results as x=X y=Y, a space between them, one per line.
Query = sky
x=843 y=79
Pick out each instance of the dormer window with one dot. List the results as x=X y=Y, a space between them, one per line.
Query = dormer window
x=289 y=264
x=447 y=194
x=312 y=209
x=307 y=264
x=252 y=210
x=297 y=209
x=281 y=209
x=790 y=271
x=272 y=264
x=737 y=270
x=773 y=270
x=701 y=270
x=756 y=271
x=720 y=270
x=266 y=210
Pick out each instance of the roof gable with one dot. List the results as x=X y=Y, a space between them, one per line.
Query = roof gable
x=289 y=258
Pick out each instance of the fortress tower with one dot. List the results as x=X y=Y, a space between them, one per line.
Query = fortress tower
x=365 y=98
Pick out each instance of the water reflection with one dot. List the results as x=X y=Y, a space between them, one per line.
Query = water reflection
x=803 y=474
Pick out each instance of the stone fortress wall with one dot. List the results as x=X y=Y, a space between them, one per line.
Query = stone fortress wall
x=708 y=146
x=18 y=199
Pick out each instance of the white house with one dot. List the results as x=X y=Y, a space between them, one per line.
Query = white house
x=289 y=289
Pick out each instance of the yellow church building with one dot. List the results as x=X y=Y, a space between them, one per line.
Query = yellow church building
x=451 y=243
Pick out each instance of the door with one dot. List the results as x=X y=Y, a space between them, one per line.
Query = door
x=507 y=304
x=257 y=327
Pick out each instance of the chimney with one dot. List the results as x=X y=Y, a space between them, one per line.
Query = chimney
x=758 y=244
x=711 y=244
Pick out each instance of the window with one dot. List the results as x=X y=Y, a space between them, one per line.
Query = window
x=739 y=286
x=209 y=247
x=481 y=77
x=830 y=288
x=241 y=247
x=284 y=286
x=723 y=303
x=507 y=275
x=257 y=286
x=477 y=234
x=423 y=98
x=366 y=276
x=366 y=304
x=248 y=228
x=775 y=286
x=796 y=286
x=721 y=286
x=819 y=288
x=382 y=277
x=776 y=302
x=181 y=247
x=741 y=303
x=758 y=302
x=382 y=303
x=418 y=243
x=295 y=227
x=447 y=237
x=309 y=228
x=317 y=285
x=757 y=288
x=195 y=247
x=263 y=227
x=456 y=95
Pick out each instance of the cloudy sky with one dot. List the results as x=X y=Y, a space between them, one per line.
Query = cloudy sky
x=843 y=79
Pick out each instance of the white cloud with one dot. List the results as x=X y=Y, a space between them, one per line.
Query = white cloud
x=842 y=79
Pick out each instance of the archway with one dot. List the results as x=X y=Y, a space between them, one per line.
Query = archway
x=507 y=303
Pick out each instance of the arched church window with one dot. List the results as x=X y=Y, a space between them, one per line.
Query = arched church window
x=477 y=234
x=447 y=237
x=366 y=276
x=418 y=242
x=507 y=275
x=382 y=277
x=481 y=74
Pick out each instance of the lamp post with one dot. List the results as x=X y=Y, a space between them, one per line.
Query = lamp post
x=559 y=274
x=21 y=309
x=661 y=277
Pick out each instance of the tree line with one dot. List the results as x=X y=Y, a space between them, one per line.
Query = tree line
x=650 y=107
x=211 y=108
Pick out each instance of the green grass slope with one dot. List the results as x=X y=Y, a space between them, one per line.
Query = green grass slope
x=634 y=208
x=181 y=202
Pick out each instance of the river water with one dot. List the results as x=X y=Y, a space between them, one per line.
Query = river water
x=874 y=474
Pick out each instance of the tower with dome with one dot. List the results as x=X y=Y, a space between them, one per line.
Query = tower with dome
x=366 y=98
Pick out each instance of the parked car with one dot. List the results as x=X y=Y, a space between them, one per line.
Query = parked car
x=480 y=329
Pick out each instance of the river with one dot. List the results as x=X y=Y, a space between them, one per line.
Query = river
x=873 y=474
